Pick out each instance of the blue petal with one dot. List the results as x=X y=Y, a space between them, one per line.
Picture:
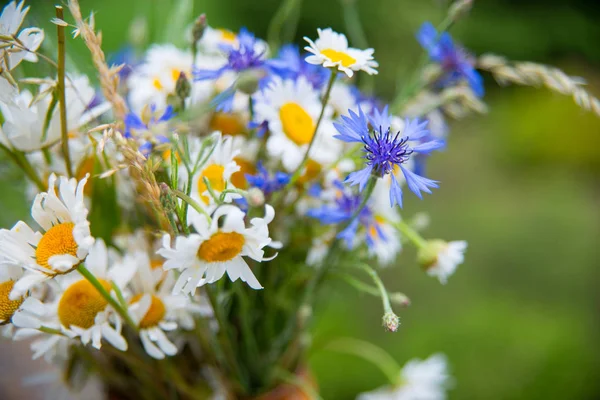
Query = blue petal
x=395 y=193
x=429 y=146
x=352 y=128
x=415 y=129
x=475 y=80
x=224 y=100
x=417 y=183
x=380 y=120
x=209 y=74
x=360 y=178
x=427 y=36
x=348 y=234
x=167 y=115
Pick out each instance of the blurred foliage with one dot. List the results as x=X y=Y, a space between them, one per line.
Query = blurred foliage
x=519 y=320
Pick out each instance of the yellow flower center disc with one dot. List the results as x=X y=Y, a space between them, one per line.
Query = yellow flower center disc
x=296 y=123
x=7 y=306
x=338 y=56
x=155 y=313
x=57 y=240
x=80 y=304
x=222 y=246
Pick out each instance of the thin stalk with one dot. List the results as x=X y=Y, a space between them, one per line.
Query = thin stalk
x=21 y=161
x=278 y=21
x=61 y=93
x=369 y=352
x=410 y=233
x=324 y=102
x=385 y=298
x=191 y=202
x=100 y=288
x=358 y=37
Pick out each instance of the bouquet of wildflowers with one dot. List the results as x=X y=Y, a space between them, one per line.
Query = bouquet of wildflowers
x=187 y=211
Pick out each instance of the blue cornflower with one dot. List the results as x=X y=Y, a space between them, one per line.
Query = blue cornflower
x=385 y=151
x=266 y=182
x=133 y=121
x=247 y=54
x=342 y=210
x=454 y=60
x=290 y=64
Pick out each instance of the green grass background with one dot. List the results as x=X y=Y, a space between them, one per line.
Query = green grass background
x=519 y=320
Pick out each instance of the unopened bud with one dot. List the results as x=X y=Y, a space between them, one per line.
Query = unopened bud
x=428 y=255
x=183 y=89
x=391 y=321
x=400 y=299
x=459 y=9
x=256 y=197
x=247 y=81
x=199 y=28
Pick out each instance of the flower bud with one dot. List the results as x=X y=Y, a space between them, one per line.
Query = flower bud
x=256 y=198
x=248 y=80
x=199 y=28
x=459 y=9
x=440 y=258
x=391 y=321
x=400 y=299
x=428 y=255
x=183 y=89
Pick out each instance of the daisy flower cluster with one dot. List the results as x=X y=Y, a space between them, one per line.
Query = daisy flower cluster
x=193 y=206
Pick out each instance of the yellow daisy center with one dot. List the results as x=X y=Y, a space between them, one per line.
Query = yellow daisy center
x=86 y=167
x=227 y=123
x=7 y=306
x=175 y=74
x=296 y=123
x=338 y=56
x=56 y=241
x=155 y=313
x=214 y=174
x=227 y=35
x=156 y=263
x=80 y=304
x=157 y=84
x=246 y=167
x=222 y=246
x=313 y=169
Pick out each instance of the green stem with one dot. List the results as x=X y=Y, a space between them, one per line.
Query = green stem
x=21 y=161
x=369 y=352
x=358 y=284
x=51 y=331
x=385 y=298
x=100 y=288
x=61 y=92
x=191 y=202
x=324 y=102
x=411 y=234
x=278 y=21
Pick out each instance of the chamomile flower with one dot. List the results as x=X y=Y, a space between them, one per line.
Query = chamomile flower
x=78 y=309
x=205 y=256
x=65 y=240
x=30 y=38
x=155 y=309
x=331 y=50
x=8 y=275
x=386 y=151
x=440 y=258
x=218 y=170
x=419 y=380
x=291 y=109
x=290 y=64
x=214 y=39
x=151 y=82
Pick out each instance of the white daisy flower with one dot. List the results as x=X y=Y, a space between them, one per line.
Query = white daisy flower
x=247 y=149
x=8 y=275
x=292 y=109
x=78 y=310
x=214 y=39
x=64 y=243
x=218 y=170
x=419 y=380
x=341 y=99
x=205 y=256
x=151 y=82
x=23 y=128
x=331 y=50
x=31 y=38
x=440 y=258
x=156 y=310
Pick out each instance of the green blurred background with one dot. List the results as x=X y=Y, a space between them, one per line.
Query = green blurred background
x=519 y=320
